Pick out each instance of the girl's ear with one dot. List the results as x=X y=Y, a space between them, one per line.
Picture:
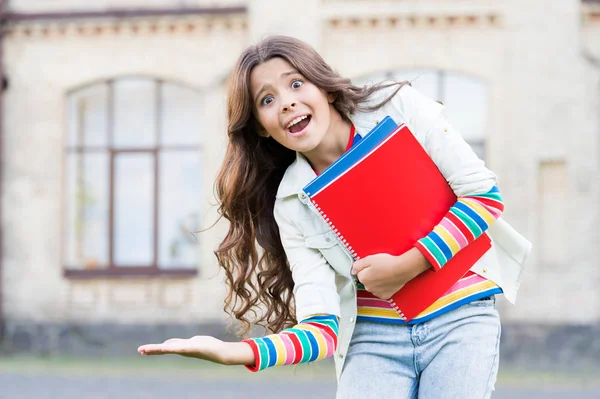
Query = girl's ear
x=331 y=97
x=262 y=132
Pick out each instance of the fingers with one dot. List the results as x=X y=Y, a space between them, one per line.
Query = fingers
x=361 y=276
x=165 y=348
x=360 y=265
x=152 y=349
x=159 y=349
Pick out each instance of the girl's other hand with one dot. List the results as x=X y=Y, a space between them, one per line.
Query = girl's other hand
x=205 y=348
x=384 y=274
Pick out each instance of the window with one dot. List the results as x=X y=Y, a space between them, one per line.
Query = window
x=133 y=178
x=465 y=98
x=553 y=199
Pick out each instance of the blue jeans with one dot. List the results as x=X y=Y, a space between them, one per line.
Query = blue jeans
x=454 y=355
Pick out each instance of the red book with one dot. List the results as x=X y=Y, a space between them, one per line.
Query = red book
x=385 y=202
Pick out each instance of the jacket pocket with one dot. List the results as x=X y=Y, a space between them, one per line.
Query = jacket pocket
x=335 y=254
x=321 y=241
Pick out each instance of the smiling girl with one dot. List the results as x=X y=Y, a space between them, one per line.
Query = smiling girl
x=290 y=116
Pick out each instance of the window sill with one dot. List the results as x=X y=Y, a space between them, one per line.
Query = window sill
x=128 y=273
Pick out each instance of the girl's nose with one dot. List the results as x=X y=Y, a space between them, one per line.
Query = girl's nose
x=288 y=107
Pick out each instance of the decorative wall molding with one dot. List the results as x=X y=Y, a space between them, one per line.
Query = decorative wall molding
x=429 y=14
x=173 y=25
x=416 y=21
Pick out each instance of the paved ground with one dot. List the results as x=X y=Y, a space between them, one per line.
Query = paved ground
x=36 y=386
x=60 y=377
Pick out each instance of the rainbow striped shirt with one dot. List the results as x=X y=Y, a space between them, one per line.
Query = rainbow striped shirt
x=469 y=288
x=313 y=339
x=470 y=216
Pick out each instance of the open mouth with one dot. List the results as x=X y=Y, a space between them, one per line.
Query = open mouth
x=299 y=124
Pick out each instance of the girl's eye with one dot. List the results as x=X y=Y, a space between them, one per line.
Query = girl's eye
x=296 y=84
x=267 y=100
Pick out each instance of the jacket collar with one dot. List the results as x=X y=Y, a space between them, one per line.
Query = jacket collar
x=297 y=175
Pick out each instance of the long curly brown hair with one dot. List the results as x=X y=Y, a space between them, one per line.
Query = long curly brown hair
x=259 y=278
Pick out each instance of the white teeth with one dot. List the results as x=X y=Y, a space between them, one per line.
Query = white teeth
x=298 y=119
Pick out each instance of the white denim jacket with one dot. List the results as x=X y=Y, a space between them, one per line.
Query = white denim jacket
x=319 y=262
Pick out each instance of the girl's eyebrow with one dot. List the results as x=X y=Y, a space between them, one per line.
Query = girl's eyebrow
x=288 y=73
x=263 y=88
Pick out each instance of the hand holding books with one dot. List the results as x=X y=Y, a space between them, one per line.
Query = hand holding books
x=384 y=274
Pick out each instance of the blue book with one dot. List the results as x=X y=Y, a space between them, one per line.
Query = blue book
x=350 y=157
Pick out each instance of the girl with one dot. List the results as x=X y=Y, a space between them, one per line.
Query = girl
x=290 y=116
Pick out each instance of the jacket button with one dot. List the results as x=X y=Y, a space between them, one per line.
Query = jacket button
x=327 y=239
x=484 y=270
x=351 y=319
x=303 y=196
x=340 y=355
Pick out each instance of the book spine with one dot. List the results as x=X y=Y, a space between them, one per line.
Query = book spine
x=338 y=234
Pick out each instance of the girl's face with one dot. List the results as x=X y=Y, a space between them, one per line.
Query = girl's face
x=290 y=109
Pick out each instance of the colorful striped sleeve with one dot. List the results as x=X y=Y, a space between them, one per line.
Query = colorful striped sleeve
x=312 y=339
x=469 y=218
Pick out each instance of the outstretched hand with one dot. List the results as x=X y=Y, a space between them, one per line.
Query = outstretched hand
x=203 y=347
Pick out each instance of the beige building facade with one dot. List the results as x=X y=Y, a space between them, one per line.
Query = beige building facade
x=97 y=220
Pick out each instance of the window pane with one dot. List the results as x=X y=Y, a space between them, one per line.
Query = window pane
x=427 y=82
x=87 y=116
x=180 y=191
x=134 y=113
x=466 y=105
x=87 y=210
x=134 y=209
x=180 y=120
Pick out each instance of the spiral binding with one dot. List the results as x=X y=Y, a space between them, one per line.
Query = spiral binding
x=336 y=231
x=352 y=251
x=397 y=309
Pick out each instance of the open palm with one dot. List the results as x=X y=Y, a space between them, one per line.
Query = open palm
x=201 y=347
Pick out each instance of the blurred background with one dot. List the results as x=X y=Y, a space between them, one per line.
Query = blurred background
x=113 y=128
